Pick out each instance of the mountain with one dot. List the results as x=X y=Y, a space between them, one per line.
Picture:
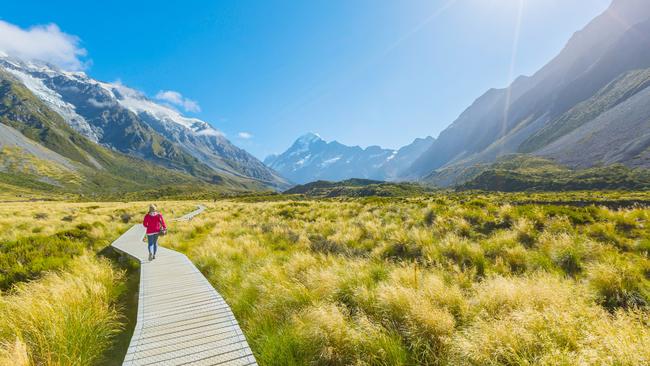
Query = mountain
x=41 y=151
x=118 y=117
x=312 y=158
x=586 y=107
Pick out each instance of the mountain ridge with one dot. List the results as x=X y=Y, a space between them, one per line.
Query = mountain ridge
x=311 y=158
x=40 y=150
x=602 y=51
x=124 y=119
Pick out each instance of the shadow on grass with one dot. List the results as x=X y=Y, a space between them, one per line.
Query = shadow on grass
x=127 y=304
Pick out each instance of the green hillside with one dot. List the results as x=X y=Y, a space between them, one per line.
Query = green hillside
x=523 y=173
x=357 y=188
x=74 y=164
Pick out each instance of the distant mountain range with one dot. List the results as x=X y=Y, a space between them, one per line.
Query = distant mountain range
x=122 y=119
x=312 y=158
x=588 y=107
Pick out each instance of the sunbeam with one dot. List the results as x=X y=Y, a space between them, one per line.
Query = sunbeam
x=511 y=71
x=419 y=27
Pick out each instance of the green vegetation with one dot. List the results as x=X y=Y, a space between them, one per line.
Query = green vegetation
x=38 y=253
x=523 y=173
x=459 y=278
x=60 y=303
x=357 y=188
x=65 y=318
x=92 y=169
x=444 y=279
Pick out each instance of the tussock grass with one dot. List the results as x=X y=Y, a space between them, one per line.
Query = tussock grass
x=60 y=303
x=441 y=280
x=65 y=318
x=457 y=279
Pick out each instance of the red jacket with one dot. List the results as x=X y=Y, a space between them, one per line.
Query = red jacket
x=154 y=223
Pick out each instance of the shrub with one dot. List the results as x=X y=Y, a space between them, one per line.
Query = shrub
x=322 y=245
x=68 y=218
x=620 y=284
x=526 y=234
x=524 y=337
x=544 y=320
x=41 y=216
x=625 y=223
x=402 y=251
x=429 y=217
x=125 y=217
x=517 y=259
x=464 y=253
x=643 y=247
x=606 y=233
x=26 y=258
x=570 y=260
x=568 y=255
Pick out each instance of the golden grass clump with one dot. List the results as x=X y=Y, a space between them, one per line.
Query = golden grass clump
x=548 y=321
x=441 y=280
x=65 y=318
x=332 y=337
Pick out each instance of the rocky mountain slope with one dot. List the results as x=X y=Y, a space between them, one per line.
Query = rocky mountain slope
x=116 y=116
x=587 y=107
x=312 y=158
x=40 y=150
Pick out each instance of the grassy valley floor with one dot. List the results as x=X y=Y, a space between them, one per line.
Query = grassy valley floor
x=465 y=279
x=61 y=302
x=437 y=279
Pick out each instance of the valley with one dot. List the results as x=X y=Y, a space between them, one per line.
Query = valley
x=436 y=279
x=515 y=233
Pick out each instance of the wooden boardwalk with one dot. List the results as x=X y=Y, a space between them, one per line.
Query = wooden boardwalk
x=182 y=319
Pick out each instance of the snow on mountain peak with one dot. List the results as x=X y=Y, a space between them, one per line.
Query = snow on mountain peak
x=49 y=96
x=138 y=103
x=308 y=138
x=33 y=73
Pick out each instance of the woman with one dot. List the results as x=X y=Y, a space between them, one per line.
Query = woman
x=155 y=224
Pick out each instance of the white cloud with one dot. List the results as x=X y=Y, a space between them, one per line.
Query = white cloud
x=177 y=99
x=43 y=43
x=94 y=102
x=245 y=135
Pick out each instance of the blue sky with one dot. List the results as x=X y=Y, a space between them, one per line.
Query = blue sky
x=363 y=72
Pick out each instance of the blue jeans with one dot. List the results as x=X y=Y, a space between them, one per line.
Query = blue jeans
x=153 y=243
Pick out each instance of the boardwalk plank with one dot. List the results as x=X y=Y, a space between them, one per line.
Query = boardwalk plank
x=182 y=319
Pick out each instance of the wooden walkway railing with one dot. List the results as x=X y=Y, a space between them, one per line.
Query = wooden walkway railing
x=182 y=319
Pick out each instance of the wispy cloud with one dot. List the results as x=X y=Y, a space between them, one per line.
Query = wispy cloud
x=245 y=135
x=94 y=102
x=43 y=43
x=177 y=99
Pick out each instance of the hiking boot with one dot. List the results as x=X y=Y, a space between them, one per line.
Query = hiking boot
x=150 y=256
x=154 y=256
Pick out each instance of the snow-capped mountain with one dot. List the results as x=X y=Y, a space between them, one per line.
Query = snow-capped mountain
x=119 y=117
x=311 y=158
